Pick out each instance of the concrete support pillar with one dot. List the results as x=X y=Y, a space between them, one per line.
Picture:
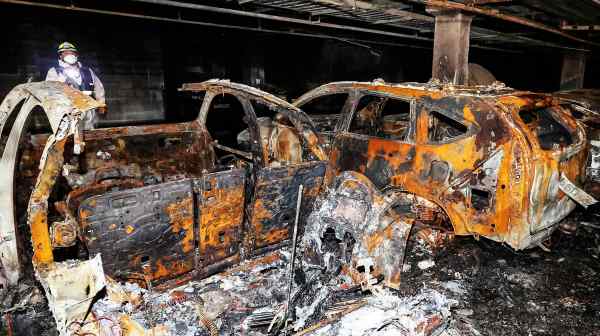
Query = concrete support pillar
x=573 y=70
x=451 y=46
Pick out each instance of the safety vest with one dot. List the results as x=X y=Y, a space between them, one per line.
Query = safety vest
x=87 y=80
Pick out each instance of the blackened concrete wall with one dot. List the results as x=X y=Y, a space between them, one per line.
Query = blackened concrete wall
x=127 y=57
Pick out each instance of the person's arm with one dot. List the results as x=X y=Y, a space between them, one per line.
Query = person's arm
x=52 y=75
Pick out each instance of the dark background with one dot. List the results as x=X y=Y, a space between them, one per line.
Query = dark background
x=143 y=62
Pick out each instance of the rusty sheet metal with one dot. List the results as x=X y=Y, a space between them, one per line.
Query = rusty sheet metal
x=170 y=152
x=577 y=194
x=70 y=288
x=125 y=157
x=38 y=206
x=496 y=176
x=274 y=197
x=356 y=228
x=145 y=232
x=221 y=210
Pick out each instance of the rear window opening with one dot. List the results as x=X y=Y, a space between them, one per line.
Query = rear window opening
x=38 y=122
x=480 y=199
x=444 y=129
x=325 y=111
x=551 y=134
x=382 y=117
x=325 y=105
x=225 y=120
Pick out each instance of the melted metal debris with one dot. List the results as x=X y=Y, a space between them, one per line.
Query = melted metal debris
x=385 y=313
x=474 y=288
x=246 y=299
x=220 y=304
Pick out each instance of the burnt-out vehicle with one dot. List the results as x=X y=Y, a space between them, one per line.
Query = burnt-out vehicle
x=157 y=204
x=490 y=161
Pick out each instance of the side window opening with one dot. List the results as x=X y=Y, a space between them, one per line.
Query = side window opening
x=185 y=108
x=550 y=132
x=326 y=111
x=189 y=104
x=395 y=119
x=227 y=124
x=38 y=123
x=528 y=116
x=443 y=128
x=383 y=117
x=225 y=119
x=480 y=199
x=577 y=112
x=365 y=119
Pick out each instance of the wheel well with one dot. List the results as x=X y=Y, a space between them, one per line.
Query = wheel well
x=427 y=212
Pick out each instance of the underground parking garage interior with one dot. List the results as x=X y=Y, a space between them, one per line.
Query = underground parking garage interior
x=300 y=167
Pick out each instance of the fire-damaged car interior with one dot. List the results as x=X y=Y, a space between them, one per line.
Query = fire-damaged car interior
x=160 y=201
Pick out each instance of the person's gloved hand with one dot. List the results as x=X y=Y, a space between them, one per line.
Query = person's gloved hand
x=102 y=110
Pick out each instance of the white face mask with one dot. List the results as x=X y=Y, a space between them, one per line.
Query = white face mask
x=70 y=59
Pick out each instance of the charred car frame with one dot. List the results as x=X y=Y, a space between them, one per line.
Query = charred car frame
x=162 y=204
x=157 y=202
x=491 y=161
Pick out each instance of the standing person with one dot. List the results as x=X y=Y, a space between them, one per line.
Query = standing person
x=70 y=71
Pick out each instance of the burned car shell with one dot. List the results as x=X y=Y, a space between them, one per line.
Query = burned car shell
x=151 y=200
x=499 y=176
x=63 y=108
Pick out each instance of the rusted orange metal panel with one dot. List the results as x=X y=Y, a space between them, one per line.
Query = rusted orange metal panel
x=275 y=194
x=38 y=206
x=221 y=211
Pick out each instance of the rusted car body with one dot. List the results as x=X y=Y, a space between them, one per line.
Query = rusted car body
x=159 y=203
x=497 y=163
